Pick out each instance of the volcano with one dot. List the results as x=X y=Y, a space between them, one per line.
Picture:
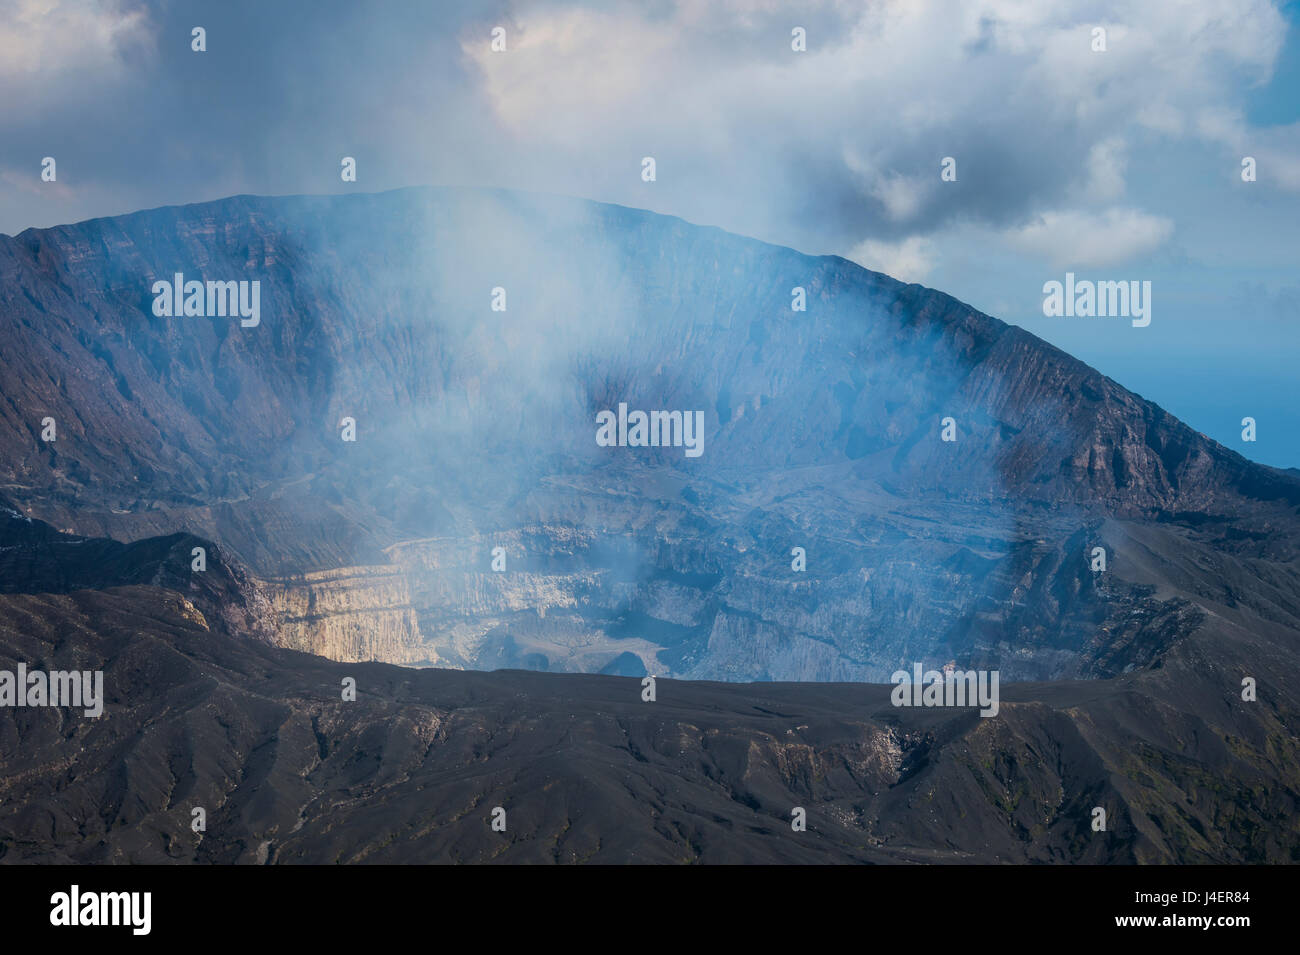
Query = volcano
x=399 y=464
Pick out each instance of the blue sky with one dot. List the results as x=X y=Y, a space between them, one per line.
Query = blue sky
x=1115 y=164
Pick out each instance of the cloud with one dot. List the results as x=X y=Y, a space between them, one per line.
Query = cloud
x=843 y=142
x=1106 y=162
x=1276 y=150
x=1082 y=239
x=823 y=150
x=45 y=38
x=908 y=261
x=56 y=54
x=28 y=181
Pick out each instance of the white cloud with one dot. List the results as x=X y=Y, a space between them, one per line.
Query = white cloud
x=902 y=196
x=842 y=143
x=1276 y=149
x=908 y=261
x=1080 y=239
x=1106 y=163
x=44 y=37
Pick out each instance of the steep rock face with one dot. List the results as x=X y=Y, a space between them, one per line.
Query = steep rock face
x=363 y=301
x=357 y=613
x=475 y=429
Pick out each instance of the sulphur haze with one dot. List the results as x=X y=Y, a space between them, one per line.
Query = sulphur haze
x=401 y=451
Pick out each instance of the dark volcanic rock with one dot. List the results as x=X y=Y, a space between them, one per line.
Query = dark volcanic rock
x=35 y=558
x=587 y=772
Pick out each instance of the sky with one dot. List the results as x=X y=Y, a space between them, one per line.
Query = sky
x=1115 y=164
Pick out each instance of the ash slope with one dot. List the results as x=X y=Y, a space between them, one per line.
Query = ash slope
x=476 y=431
x=197 y=716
